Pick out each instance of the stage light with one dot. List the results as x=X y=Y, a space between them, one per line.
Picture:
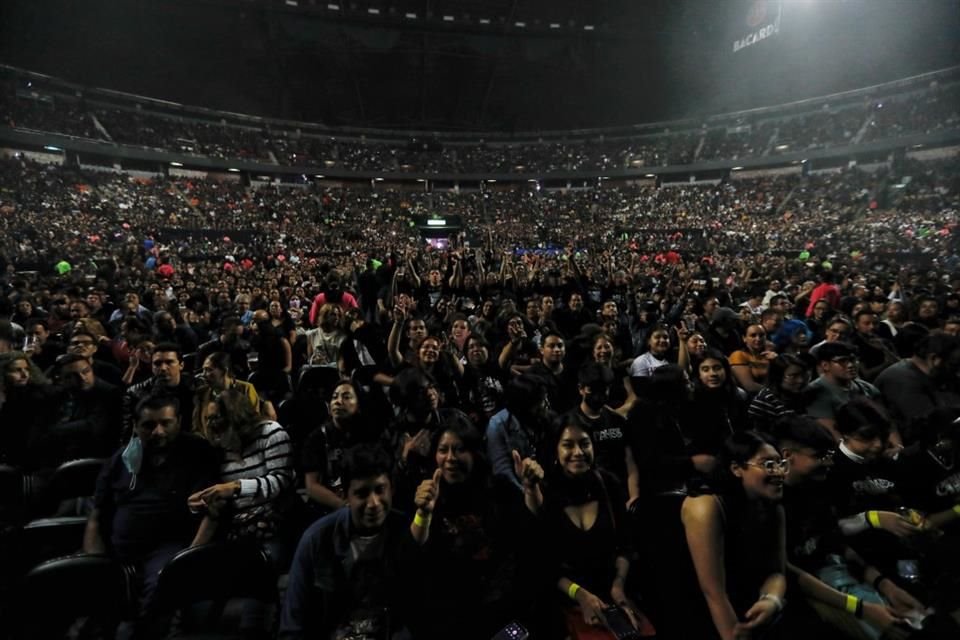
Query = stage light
x=176 y=164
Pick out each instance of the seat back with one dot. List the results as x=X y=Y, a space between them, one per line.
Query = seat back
x=75 y=479
x=56 y=593
x=48 y=538
x=215 y=572
x=319 y=380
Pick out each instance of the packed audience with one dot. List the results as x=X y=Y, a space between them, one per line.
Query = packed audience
x=705 y=410
x=884 y=113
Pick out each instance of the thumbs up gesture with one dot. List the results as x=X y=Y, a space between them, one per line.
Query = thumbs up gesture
x=528 y=470
x=427 y=494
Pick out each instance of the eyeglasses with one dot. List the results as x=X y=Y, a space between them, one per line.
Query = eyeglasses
x=771 y=466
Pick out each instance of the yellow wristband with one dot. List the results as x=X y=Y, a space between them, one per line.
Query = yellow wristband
x=851 y=604
x=956 y=509
x=873 y=517
x=420 y=521
x=572 y=590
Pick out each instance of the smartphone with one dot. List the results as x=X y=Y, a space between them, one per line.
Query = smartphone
x=513 y=631
x=619 y=624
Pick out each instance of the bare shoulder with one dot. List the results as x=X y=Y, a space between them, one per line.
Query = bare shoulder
x=699 y=509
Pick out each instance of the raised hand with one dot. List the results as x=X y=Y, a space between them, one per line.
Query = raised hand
x=419 y=443
x=528 y=470
x=427 y=493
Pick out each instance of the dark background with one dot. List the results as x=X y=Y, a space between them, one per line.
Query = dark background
x=645 y=60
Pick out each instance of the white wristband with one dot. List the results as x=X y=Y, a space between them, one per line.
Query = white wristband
x=775 y=599
x=854 y=524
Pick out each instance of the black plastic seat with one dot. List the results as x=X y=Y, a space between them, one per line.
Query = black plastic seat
x=55 y=594
x=48 y=538
x=75 y=478
x=204 y=584
x=318 y=379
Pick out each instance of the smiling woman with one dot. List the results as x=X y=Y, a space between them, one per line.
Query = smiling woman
x=583 y=538
x=736 y=539
x=469 y=570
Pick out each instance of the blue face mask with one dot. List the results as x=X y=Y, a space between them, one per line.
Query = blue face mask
x=133 y=458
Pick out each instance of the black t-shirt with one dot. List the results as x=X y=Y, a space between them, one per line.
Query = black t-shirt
x=562 y=394
x=609 y=435
x=323 y=453
x=856 y=487
x=812 y=529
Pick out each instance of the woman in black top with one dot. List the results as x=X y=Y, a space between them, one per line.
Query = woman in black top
x=324 y=448
x=585 y=547
x=719 y=407
x=467 y=574
x=481 y=388
x=737 y=542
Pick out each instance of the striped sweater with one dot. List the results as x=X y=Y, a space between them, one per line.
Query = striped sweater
x=265 y=471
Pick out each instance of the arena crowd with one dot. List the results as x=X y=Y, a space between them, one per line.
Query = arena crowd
x=700 y=410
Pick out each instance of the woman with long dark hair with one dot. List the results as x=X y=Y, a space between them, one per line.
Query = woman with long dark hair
x=468 y=540
x=736 y=538
x=324 y=448
x=751 y=364
x=585 y=547
x=783 y=393
x=27 y=412
x=718 y=408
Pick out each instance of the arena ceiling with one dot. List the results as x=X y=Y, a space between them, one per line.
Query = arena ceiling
x=509 y=65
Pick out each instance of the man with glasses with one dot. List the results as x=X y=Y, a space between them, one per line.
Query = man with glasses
x=84 y=343
x=831 y=575
x=837 y=366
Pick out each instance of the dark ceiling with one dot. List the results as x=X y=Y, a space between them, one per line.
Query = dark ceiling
x=468 y=64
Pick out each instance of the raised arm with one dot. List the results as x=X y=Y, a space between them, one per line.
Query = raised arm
x=393 y=340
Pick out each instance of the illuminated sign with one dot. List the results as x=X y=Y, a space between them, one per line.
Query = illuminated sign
x=436 y=222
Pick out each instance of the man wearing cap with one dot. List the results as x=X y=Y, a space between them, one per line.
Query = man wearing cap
x=837 y=366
